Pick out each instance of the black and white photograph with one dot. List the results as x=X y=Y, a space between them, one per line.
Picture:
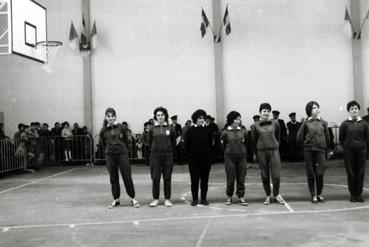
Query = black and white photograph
x=184 y=123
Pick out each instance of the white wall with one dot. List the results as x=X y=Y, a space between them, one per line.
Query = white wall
x=150 y=54
x=288 y=53
x=27 y=93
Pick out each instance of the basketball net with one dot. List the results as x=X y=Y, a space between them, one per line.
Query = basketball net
x=47 y=51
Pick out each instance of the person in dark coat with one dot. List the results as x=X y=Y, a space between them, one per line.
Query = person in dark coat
x=354 y=137
x=283 y=147
x=198 y=141
x=178 y=133
x=293 y=127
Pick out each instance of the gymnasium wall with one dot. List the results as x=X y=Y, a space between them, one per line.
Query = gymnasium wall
x=28 y=93
x=151 y=54
x=288 y=53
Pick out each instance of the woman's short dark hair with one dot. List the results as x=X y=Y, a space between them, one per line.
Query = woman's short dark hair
x=266 y=106
x=110 y=110
x=107 y=111
x=198 y=113
x=232 y=116
x=163 y=110
x=351 y=104
x=65 y=123
x=309 y=107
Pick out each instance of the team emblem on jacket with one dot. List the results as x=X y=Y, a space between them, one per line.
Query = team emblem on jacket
x=167 y=132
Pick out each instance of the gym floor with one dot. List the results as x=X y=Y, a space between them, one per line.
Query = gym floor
x=67 y=206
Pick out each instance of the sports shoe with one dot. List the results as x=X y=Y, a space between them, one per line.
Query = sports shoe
x=242 y=201
x=359 y=198
x=135 y=203
x=279 y=199
x=353 y=198
x=154 y=203
x=320 y=198
x=267 y=200
x=168 y=203
x=194 y=202
x=115 y=203
x=228 y=201
x=204 y=202
x=314 y=199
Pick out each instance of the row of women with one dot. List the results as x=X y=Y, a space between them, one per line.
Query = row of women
x=313 y=135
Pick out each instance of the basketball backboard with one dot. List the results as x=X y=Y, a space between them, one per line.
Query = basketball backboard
x=22 y=24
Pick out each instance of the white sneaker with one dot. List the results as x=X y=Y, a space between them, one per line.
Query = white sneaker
x=242 y=201
x=135 y=203
x=115 y=203
x=267 y=200
x=279 y=199
x=154 y=203
x=168 y=203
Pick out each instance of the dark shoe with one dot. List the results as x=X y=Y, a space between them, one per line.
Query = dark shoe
x=194 y=203
x=353 y=198
x=204 y=202
x=359 y=198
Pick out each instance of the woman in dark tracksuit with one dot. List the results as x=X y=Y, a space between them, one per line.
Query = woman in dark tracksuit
x=162 y=141
x=113 y=139
x=198 y=140
x=234 y=140
x=265 y=135
x=314 y=135
x=354 y=137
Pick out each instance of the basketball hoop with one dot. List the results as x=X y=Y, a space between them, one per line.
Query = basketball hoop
x=47 y=50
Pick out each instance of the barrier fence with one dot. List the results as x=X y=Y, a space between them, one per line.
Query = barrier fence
x=36 y=152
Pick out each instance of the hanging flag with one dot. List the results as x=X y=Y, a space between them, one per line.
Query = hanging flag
x=226 y=22
x=93 y=36
x=217 y=38
x=73 y=37
x=204 y=23
x=347 y=16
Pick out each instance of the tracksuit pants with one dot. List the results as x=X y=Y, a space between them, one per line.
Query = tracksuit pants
x=315 y=166
x=161 y=163
x=355 y=168
x=120 y=162
x=270 y=163
x=199 y=168
x=235 y=167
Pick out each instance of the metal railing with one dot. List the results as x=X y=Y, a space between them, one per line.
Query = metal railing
x=36 y=152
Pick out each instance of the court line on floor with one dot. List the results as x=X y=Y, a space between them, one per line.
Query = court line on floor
x=201 y=217
x=203 y=234
x=39 y=180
